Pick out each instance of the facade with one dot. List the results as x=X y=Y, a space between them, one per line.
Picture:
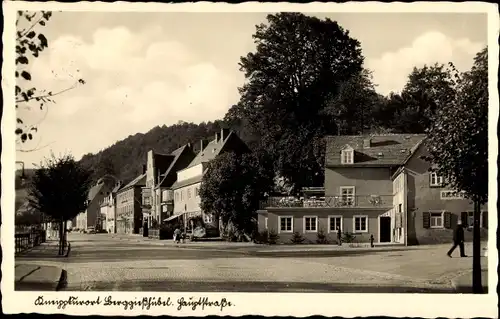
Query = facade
x=91 y=217
x=108 y=210
x=128 y=206
x=157 y=195
x=186 y=189
x=374 y=186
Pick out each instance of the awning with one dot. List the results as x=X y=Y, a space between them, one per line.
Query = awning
x=172 y=217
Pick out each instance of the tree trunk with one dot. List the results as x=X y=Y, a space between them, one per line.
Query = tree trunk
x=61 y=236
x=65 y=235
x=477 y=287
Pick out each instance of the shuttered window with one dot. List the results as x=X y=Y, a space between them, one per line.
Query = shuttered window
x=447 y=220
x=426 y=220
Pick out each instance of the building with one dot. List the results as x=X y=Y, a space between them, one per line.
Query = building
x=374 y=185
x=128 y=206
x=91 y=217
x=161 y=174
x=108 y=210
x=186 y=189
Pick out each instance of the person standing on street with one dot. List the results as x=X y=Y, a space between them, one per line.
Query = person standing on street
x=339 y=236
x=458 y=240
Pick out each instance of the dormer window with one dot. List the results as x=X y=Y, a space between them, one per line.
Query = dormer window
x=347 y=156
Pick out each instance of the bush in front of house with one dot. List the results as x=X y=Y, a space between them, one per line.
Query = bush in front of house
x=348 y=238
x=321 y=237
x=297 y=238
x=272 y=237
x=262 y=237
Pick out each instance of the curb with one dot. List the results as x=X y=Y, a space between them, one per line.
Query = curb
x=63 y=280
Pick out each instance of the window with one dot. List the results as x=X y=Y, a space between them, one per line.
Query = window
x=334 y=223
x=436 y=220
x=265 y=222
x=207 y=218
x=189 y=192
x=436 y=180
x=400 y=208
x=196 y=192
x=286 y=224
x=181 y=194
x=360 y=224
x=347 y=195
x=310 y=224
x=347 y=156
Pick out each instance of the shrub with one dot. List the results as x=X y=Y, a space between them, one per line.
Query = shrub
x=297 y=238
x=272 y=237
x=262 y=237
x=321 y=237
x=348 y=238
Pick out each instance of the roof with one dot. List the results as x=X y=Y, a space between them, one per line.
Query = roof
x=187 y=182
x=174 y=157
x=138 y=181
x=385 y=150
x=210 y=151
x=94 y=190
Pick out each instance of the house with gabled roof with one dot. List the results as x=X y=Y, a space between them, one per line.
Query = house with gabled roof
x=128 y=206
x=91 y=217
x=161 y=174
x=374 y=185
x=186 y=189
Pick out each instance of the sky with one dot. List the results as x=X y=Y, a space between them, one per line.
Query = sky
x=148 y=69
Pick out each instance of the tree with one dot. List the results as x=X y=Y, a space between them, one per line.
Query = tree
x=299 y=63
x=30 y=43
x=233 y=186
x=59 y=189
x=458 y=144
x=428 y=89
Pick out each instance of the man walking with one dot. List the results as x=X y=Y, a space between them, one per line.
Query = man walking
x=458 y=240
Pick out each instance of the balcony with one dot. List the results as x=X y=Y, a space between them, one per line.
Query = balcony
x=358 y=201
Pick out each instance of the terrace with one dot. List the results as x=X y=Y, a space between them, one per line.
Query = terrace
x=353 y=201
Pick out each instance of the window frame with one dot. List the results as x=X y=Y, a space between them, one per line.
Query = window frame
x=316 y=224
x=354 y=224
x=208 y=218
x=347 y=156
x=438 y=180
x=431 y=212
x=348 y=196
x=330 y=223
x=279 y=225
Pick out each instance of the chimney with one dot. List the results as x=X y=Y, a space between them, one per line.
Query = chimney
x=367 y=142
x=203 y=144
x=224 y=133
x=144 y=169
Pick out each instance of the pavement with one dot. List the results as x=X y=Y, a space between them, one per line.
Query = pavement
x=30 y=276
x=109 y=262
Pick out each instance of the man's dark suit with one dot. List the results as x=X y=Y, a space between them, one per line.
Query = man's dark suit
x=458 y=240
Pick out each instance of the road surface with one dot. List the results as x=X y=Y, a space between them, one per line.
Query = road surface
x=104 y=262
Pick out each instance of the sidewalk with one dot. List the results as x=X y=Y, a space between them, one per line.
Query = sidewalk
x=39 y=278
x=49 y=249
x=463 y=283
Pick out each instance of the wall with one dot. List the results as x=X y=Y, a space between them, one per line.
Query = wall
x=367 y=181
x=190 y=172
x=323 y=215
x=127 y=209
x=399 y=206
x=423 y=198
x=186 y=199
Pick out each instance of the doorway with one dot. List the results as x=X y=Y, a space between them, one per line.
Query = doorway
x=385 y=229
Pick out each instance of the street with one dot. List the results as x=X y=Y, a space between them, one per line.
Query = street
x=106 y=262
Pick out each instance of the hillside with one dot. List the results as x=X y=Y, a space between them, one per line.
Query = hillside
x=125 y=158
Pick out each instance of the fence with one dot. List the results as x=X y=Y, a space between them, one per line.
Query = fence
x=29 y=239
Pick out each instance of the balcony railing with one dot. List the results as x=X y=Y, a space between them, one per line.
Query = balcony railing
x=357 y=201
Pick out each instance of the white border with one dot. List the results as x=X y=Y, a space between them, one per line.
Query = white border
x=279 y=225
x=298 y=305
x=341 y=223
x=354 y=224
x=304 y=224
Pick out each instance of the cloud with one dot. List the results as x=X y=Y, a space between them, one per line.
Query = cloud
x=391 y=70
x=135 y=81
